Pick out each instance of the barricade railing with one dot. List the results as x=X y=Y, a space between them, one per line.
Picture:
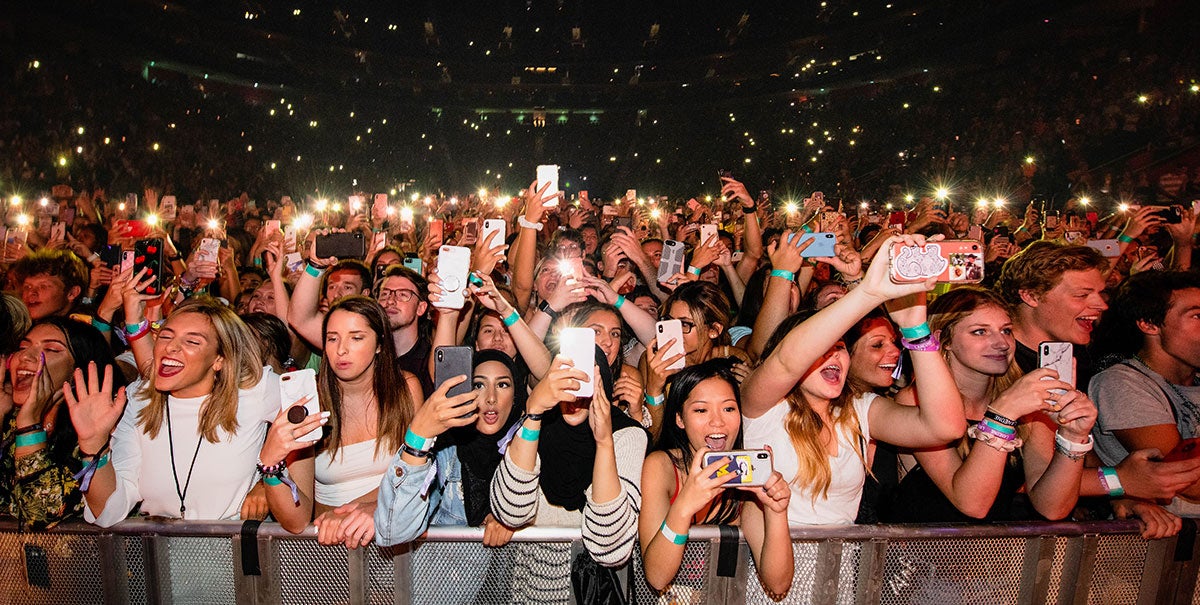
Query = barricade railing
x=163 y=561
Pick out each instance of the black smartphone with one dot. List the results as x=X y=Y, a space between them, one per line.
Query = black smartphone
x=1170 y=215
x=723 y=174
x=623 y=221
x=449 y=362
x=148 y=254
x=342 y=245
x=110 y=255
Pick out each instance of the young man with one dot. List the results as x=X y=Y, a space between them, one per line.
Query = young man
x=308 y=307
x=404 y=295
x=1054 y=292
x=1151 y=399
x=50 y=281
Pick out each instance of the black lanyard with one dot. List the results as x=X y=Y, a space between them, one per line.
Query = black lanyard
x=175 y=474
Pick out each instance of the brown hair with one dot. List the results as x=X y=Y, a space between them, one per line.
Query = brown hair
x=947 y=310
x=1040 y=266
x=707 y=304
x=243 y=368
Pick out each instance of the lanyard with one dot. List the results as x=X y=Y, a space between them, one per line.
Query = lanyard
x=175 y=474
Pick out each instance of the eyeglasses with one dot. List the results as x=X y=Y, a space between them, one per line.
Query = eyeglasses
x=686 y=325
x=401 y=295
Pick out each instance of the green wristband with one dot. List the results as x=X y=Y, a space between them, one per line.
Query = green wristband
x=529 y=434
x=1124 y=239
x=783 y=274
x=619 y=302
x=918 y=331
x=34 y=438
x=271 y=480
x=512 y=318
x=312 y=270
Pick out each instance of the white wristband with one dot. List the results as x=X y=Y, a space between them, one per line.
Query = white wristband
x=527 y=224
x=1071 y=446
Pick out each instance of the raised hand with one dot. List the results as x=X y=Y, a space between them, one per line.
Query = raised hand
x=487 y=254
x=441 y=412
x=282 y=440
x=657 y=364
x=94 y=410
x=786 y=254
x=561 y=378
x=702 y=485
x=600 y=413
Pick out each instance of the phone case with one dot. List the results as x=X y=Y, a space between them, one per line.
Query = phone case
x=58 y=231
x=342 y=245
x=822 y=246
x=110 y=255
x=1058 y=356
x=454 y=262
x=294 y=386
x=437 y=229
x=579 y=345
x=294 y=261
x=497 y=226
x=127 y=257
x=571 y=267
x=548 y=173
x=956 y=261
x=1073 y=237
x=415 y=264
x=167 y=208
x=975 y=232
x=672 y=260
x=753 y=467
x=707 y=232
x=665 y=331
x=449 y=362
x=208 y=250
x=148 y=254
x=1109 y=248
x=829 y=219
x=470 y=226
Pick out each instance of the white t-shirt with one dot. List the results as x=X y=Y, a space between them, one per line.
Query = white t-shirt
x=356 y=471
x=840 y=507
x=224 y=471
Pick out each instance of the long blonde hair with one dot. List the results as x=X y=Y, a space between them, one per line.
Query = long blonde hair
x=242 y=369
x=804 y=425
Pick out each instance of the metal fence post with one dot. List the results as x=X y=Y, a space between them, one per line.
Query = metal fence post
x=402 y=579
x=1077 y=570
x=1155 y=572
x=156 y=557
x=1035 y=573
x=358 y=581
x=114 y=571
x=828 y=572
x=871 y=560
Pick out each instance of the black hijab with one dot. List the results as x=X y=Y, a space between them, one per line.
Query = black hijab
x=477 y=453
x=569 y=452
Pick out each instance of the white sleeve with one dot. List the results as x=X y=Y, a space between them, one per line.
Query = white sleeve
x=126 y=459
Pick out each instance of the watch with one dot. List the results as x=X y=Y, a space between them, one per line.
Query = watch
x=548 y=310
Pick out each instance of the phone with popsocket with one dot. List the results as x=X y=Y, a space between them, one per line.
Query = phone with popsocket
x=950 y=261
x=453 y=265
x=294 y=386
x=752 y=468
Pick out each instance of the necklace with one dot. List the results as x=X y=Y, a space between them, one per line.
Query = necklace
x=182 y=493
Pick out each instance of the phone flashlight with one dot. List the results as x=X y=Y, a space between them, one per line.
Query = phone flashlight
x=321 y=205
x=564 y=267
x=15 y=200
x=213 y=223
x=152 y=219
x=655 y=213
x=23 y=220
x=1083 y=201
x=406 y=214
x=500 y=202
x=44 y=202
x=302 y=221
x=790 y=207
x=1123 y=207
x=337 y=207
x=428 y=200
x=942 y=193
x=390 y=211
x=121 y=206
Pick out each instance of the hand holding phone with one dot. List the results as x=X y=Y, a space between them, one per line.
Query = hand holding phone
x=295 y=387
x=579 y=345
x=666 y=331
x=750 y=467
x=454 y=263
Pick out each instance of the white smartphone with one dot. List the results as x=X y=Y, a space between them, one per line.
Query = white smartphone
x=707 y=231
x=497 y=226
x=289 y=240
x=579 y=345
x=294 y=262
x=453 y=265
x=665 y=331
x=294 y=386
x=1108 y=248
x=58 y=231
x=168 y=209
x=209 y=247
x=751 y=467
x=1059 y=357
x=548 y=173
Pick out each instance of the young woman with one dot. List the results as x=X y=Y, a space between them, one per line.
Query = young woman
x=186 y=444
x=797 y=400
x=1016 y=421
x=467 y=429
x=703 y=414
x=611 y=336
x=368 y=403
x=573 y=463
x=37 y=460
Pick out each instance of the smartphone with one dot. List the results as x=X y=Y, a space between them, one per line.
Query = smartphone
x=355 y=204
x=1172 y=215
x=951 y=261
x=453 y=264
x=1073 y=237
x=209 y=247
x=1001 y=240
x=723 y=174
x=167 y=208
x=379 y=206
x=1052 y=221
x=571 y=267
x=110 y=255
x=631 y=196
x=707 y=232
x=1058 y=356
x=135 y=229
x=822 y=246
x=130 y=202
x=294 y=386
x=294 y=262
x=497 y=226
x=897 y=219
x=470 y=227
x=58 y=231
x=975 y=232
x=579 y=345
x=622 y=221
x=414 y=263
x=665 y=331
x=752 y=467
x=272 y=227
x=672 y=260
x=1109 y=248
x=187 y=216
x=127 y=257
x=449 y=362
x=437 y=229
x=1187 y=448
x=342 y=245
x=548 y=173
x=829 y=220
x=148 y=255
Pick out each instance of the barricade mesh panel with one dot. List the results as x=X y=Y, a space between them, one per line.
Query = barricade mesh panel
x=62 y=568
x=1056 y=570
x=689 y=582
x=201 y=570
x=301 y=561
x=136 y=564
x=1117 y=573
x=380 y=576
x=804 y=582
x=953 y=571
x=455 y=572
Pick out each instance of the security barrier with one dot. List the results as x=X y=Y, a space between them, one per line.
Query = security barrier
x=156 y=561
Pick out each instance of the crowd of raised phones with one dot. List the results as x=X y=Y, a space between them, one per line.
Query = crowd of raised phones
x=373 y=373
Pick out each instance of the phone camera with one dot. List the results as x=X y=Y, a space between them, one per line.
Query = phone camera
x=762 y=455
x=1045 y=350
x=441 y=356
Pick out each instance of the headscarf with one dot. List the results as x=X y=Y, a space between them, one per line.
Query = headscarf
x=568 y=452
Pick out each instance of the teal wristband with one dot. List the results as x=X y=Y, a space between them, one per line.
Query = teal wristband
x=271 y=480
x=996 y=426
x=694 y=270
x=655 y=400
x=529 y=434
x=132 y=329
x=34 y=438
x=806 y=228
x=782 y=274
x=313 y=271
x=512 y=318
x=418 y=442
x=918 y=331
x=103 y=327
x=679 y=539
x=1124 y=239
x=620 y=301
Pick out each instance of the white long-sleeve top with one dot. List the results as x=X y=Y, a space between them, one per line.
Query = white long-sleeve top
x=609 y=528
x=224 y=471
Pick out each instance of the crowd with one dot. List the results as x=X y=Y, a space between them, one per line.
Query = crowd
x=507 y=363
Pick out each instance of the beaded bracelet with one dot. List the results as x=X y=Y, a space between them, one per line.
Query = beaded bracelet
x=277 y=474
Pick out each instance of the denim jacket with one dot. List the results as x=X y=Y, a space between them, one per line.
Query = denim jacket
x=404 y=512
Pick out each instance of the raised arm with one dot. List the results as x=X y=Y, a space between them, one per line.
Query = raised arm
x=304 y=314
x=732 y=191
x=524 y=251
x=641 y=322
x=529 y=345
x=786 y=263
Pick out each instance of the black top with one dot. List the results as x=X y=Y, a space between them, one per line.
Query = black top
x=918 y=499
x=416 y=360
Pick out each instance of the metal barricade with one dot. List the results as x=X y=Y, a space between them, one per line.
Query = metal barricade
x=148 y=561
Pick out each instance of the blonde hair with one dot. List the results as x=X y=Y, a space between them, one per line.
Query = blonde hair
x=242 y=369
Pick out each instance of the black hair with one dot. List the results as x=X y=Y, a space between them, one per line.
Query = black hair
x=1145 y=296
x=273 y=335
